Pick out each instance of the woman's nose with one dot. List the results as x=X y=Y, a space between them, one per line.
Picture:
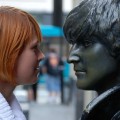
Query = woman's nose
x=74 y=54
x=41 y=56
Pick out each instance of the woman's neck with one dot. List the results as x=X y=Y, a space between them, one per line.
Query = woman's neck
x=6 y=89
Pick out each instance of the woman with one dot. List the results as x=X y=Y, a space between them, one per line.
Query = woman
x=19 y=57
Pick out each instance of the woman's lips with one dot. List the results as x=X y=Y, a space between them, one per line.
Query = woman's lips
x=38 y=68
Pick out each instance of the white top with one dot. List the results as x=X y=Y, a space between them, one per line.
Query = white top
x=10 y=111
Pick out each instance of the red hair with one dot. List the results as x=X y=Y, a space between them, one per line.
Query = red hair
x=17 y=29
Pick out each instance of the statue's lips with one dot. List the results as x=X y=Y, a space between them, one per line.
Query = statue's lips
x=80 y=71
x=80 y=74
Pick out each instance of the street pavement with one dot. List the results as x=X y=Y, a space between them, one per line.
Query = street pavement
x=41 y=109
x=51 y=112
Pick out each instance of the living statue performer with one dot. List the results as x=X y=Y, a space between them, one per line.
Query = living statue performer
x=93 y=30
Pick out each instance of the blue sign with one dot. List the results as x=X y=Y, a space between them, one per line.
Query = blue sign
x=51 y=31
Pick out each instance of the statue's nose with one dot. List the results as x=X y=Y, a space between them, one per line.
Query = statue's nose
x=72 y=58
x=74 y=54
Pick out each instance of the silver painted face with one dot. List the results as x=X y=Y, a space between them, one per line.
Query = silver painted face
x=92 y=64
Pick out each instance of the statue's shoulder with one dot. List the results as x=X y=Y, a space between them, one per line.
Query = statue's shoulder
x=105 y=107
x=116 y=116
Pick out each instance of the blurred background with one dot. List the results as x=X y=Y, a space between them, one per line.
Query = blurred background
x=51 y=97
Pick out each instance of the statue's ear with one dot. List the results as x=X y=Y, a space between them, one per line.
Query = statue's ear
x=116 y=48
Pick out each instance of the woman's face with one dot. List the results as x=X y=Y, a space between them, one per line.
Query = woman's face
x=92 y=64
x=28 y=63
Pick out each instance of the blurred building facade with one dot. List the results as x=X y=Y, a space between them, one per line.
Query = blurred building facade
x=43 y=10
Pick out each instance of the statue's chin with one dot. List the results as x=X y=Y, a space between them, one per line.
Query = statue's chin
x=81 y=80
x=85 y=84
x=82 y=83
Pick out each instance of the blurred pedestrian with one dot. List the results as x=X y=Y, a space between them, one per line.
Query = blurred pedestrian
x=32 y=92
x=53 y=77
x=19 y=58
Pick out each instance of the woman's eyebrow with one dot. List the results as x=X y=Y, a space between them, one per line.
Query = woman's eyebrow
x=34 y=42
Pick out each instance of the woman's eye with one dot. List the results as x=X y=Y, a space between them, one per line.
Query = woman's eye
x=37 y=48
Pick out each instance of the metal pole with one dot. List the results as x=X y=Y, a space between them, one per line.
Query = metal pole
x=57 y=21
x=57 y=15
